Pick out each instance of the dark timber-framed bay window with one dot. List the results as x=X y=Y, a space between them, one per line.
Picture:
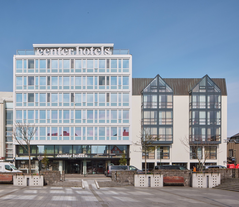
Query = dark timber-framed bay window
x=205 y=112
x=157 y=111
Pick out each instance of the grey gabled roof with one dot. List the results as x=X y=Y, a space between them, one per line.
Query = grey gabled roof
x=180 y=86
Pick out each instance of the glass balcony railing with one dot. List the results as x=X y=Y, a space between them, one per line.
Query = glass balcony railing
x=32 y=52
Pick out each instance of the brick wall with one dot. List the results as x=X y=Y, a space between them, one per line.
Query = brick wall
x=225 y=173
x=7 y=177
x=51 y=177
x=123 y=177
x=186 y=174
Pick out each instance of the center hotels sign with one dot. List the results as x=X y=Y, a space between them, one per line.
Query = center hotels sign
x=74 y=51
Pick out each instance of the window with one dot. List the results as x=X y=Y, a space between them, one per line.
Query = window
x=66 y=99
x=163 y=152
x=89 y=116
x=54 y=116
x=101 y=116
x=113 y=99
x=125 y=82
x=31 y=80
x=113 y=63
x=42 y=81
x=66 y=64
x=66 y=116
x=125 y=99
x=54 y=97
x=42 y=116
x=18 y=81
x=54 y=64
x=42 y=98
x=101 y=99
x=125 y=131
x=101 y=80
x=196 y=152
x=78 y=99
x=30 y=115
x=30 y=97
x=42 y=64
x=30 y=64
x=211 y=152
x=90 y=82
x=90 y=99
x=19 y=64
x=113 y=133
x=66 y=82
x=19 y=98
x=125 y=116
x=89 y=63
x=54 y=81
x=77 y=133
x=125 y=63
x=78 y=82
x=66 y=131
x=77 y=116
x=113 y=82
x=72 y=98
x=19 y=115
x=113 y=116
x=165 y=117
x=102 y=64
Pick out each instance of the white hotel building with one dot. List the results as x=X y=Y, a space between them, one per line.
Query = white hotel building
x=89 y=111
x=79 y=98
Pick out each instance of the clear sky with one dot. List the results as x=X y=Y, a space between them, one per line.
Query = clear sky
x=175 y=39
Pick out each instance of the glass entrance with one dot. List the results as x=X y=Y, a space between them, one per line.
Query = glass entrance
x=73 y=167
x=95 y=167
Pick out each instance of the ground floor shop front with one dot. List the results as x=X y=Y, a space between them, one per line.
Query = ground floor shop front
x=79 y=159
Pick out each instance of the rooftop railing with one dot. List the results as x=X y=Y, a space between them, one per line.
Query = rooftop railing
x=32 y=52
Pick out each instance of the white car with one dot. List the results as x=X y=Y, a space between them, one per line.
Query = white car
x=8 y=167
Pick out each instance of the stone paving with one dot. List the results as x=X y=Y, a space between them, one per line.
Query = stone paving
x=129 y=196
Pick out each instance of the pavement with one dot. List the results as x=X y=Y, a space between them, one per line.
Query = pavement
x=52 y=196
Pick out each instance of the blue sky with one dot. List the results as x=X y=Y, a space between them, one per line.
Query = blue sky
x=176 y=39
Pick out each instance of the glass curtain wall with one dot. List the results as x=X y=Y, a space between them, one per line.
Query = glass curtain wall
x=157 y=111
x=205 y=112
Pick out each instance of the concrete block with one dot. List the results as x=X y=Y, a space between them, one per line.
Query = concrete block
x=206 y=180
x=141 y=180
x=28 y=180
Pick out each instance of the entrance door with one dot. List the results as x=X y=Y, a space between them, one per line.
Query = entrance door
x=73 y=167
x=96 y=167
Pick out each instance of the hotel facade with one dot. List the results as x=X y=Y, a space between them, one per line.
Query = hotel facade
x=78 y=96
x=89 y=112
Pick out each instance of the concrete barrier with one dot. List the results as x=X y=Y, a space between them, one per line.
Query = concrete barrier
x=206 y=180
x=28 y=180
x=141 y=180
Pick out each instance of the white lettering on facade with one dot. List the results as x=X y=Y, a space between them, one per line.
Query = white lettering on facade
x=74 y=51
x=69 y=155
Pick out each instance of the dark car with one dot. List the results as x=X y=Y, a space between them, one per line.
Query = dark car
x=169 y=167
x=120 y=168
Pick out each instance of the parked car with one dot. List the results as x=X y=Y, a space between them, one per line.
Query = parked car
x=231 y=166
x=111 y=168
x=214 y=166
x=8 y=167
x=169 y=167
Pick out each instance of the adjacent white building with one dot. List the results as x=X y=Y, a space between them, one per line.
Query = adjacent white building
x=187 y=117
x=6 y=123
x=79 y=98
